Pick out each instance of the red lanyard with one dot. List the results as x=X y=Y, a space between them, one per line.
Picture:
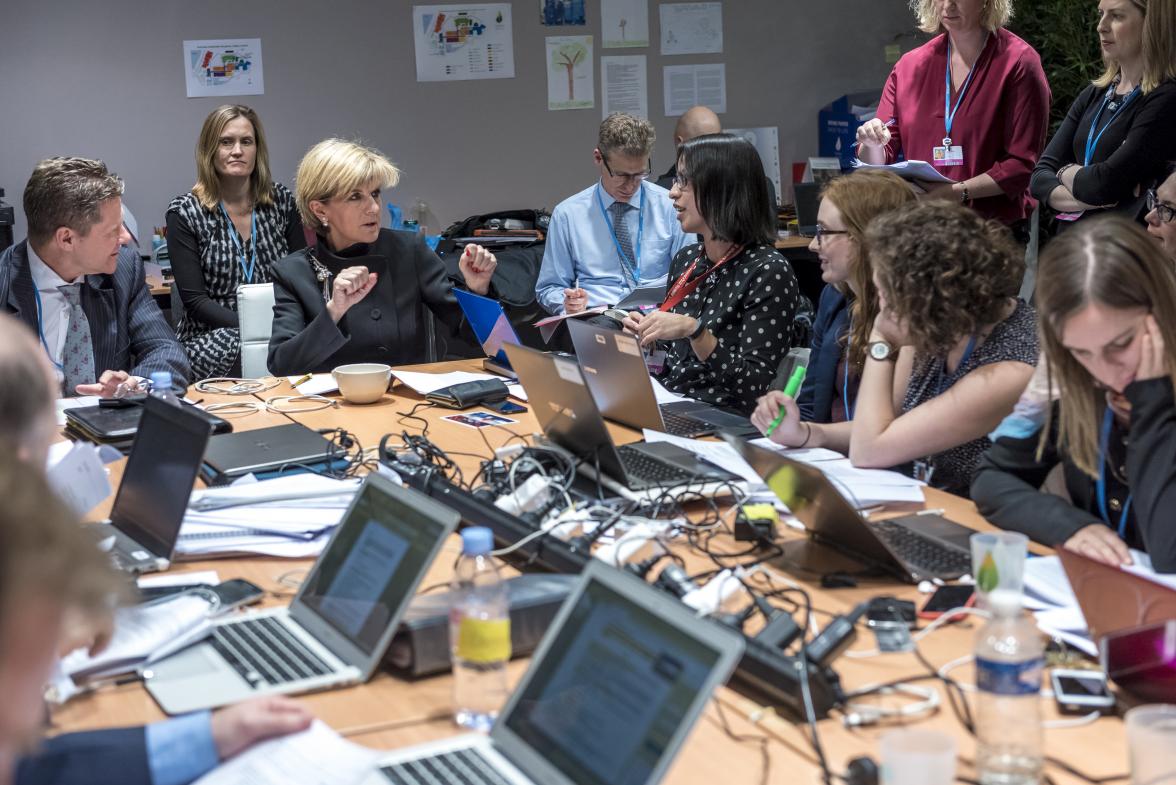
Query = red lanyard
x=684 y=287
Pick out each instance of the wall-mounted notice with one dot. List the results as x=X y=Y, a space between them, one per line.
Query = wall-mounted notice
x=225 y=66
x=624 y=23
x=691 y=28
x=459 y=42
x=695 y=85
x=767 y=144
x=624 y=85
x=569 y=72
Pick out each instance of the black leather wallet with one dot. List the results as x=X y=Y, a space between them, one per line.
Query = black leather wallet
x=467 y=394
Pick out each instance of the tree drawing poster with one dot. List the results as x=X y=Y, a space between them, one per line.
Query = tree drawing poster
x=624 y=23
x=460 y=42
x=223 y=67
x=570 y=70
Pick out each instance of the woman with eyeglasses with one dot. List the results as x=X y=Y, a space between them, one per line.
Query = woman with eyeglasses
x=848 y=306
x=357 y=294
x=1117 y=139
x=726 y=322
x=1106 y=295
x=1161 y=214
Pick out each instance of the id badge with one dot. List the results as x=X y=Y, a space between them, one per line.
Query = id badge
x=655 y=361
x=948 y=155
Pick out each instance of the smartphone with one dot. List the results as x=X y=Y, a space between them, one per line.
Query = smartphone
x=236 y=593
x=947 y=597
x=1081 y=691
x=506 y=407
x=890 y=612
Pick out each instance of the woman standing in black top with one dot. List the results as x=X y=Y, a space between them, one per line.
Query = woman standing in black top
x=727 y=319
x=1118 y=138
x=1107 y=299
x=230 y=229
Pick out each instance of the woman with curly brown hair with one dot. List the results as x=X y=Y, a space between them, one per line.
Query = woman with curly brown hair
x=1107 y=295
x=951 y=349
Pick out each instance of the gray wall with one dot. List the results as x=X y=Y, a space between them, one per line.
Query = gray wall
x=103 y=78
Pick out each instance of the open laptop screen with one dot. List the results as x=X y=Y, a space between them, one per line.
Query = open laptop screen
x=612 y=691
x=370 y=567
x=490 y=324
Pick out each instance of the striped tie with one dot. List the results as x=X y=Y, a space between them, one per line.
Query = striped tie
x=621 y=228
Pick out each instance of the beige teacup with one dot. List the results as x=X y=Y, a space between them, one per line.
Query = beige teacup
x=363 y=382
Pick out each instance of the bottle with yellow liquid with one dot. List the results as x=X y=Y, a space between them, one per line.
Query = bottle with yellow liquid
x=479 y=633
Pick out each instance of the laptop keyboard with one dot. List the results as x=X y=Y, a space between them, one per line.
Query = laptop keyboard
x=929 y=556
x=684 y=425
x=264 y=652
x=460 y=767
x=644 y=467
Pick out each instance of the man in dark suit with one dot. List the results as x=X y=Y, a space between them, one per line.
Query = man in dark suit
x=82 y=292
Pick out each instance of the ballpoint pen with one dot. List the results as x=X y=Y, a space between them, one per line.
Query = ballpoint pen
x=790 y=389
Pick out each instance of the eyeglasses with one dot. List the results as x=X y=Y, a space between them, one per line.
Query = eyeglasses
x=629 y=178
x=822 y=232
x=681 y=180
x=1166 y=212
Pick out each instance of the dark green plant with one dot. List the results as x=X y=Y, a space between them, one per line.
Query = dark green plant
x=1063 y=33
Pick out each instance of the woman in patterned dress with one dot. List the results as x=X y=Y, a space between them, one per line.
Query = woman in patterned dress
x=230 y=229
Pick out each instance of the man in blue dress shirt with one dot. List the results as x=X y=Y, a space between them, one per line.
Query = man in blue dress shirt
x=614 y=236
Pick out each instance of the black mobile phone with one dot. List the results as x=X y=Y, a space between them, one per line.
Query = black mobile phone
x=235 y=593
x=947 y=597
x=890 y=612
x=506 y=407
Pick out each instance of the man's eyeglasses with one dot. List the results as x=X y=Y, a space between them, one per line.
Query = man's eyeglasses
x=1166 y=212
x=628 y=177
x=822 y=232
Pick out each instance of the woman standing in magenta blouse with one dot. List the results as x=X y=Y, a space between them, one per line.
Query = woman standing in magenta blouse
x=974 y=102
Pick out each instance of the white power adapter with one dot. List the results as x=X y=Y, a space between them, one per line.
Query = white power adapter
x=531 y=495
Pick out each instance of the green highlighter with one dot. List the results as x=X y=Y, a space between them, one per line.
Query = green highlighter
x=790 y=389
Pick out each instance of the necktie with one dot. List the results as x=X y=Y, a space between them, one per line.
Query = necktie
x=77 y=356
x=621 y=228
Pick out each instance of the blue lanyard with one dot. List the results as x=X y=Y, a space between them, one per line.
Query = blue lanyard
x=949 y=112
x=940 y=388
x=246 y=271
x=636 y=272
x=1091 y=137
x=41 y=330
x=1104 y=443
x=845 y=381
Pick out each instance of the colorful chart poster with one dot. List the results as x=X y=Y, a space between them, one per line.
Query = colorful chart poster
x=562 y=12
x=223 y=67
x=624 y=23
x=691 y=28
x=570 y=82
x=462 y=42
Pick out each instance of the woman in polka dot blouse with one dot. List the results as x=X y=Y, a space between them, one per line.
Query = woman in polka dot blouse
x=726 y=322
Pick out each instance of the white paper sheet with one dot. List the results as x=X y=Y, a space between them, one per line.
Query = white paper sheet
x=691 y=28
x=909 y=170
x=624 y=85
x=73 y=403
x=695 y=85
x=76 y=474
x=767 y=143
x=198 y=578
x=317 y=756
x=570 y=72
x=425 y=383
x=624 y=23
x=462 y=42
x=719 y=453
x=317 y=384
x=663 y=395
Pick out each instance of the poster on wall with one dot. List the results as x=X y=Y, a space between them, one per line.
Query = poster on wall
x=553 y=13
x=767 y=143
x=223 y=66
x=570 y=82
x=695 y=85
x=623 y=85
x=463 y=42
x=691 y=28
x=624 y=23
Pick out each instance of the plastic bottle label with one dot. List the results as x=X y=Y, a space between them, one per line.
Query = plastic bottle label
x=1009 y=678
x=483 y=640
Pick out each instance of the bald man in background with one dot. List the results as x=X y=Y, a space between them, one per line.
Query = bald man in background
x=699 y=121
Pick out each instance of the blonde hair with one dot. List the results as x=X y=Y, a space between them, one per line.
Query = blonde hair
x=860 y=197
x=207 y=188
x=335 y=167
x=1159 y=46
x=1110 y=261
x=997 y=14
x=625 y=134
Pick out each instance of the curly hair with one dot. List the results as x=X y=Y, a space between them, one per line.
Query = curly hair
x=625 y=134
x=943 y=271
x=997 y=13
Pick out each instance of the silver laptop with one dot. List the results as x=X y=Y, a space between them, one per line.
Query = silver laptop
x=614 y=688
x=914 y=547
x=614 y=367
x=153 y=495
x=337 y=629
x=566 y=411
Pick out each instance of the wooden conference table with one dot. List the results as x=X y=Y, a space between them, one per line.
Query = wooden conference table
x=726 y=746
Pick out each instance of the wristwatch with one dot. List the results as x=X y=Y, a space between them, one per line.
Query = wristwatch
x=882 y=351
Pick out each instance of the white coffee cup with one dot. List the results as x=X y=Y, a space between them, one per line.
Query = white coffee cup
x=363 y=382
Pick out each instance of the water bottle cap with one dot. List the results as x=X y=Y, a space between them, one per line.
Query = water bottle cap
x=477 y=541
x=161 y=380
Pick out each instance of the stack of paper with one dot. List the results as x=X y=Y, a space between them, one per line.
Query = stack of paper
x=863 y=487
x=317 y=756
x=289 y=516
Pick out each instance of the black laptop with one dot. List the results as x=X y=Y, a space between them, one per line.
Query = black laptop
x=269 y=452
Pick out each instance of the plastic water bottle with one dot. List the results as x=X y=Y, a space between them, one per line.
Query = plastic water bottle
x=1009 y=662
x=479 y=633
x=161 y=387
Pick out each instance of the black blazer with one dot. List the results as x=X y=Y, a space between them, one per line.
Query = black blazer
x=127 y=328
x=386 y=326
x=103 y=757
x=820 y=382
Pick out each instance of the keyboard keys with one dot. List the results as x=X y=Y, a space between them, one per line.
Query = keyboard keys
x=460 y=767
x=683 y=425
x=647 y=469
x=929 y=556
x=264 y=652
